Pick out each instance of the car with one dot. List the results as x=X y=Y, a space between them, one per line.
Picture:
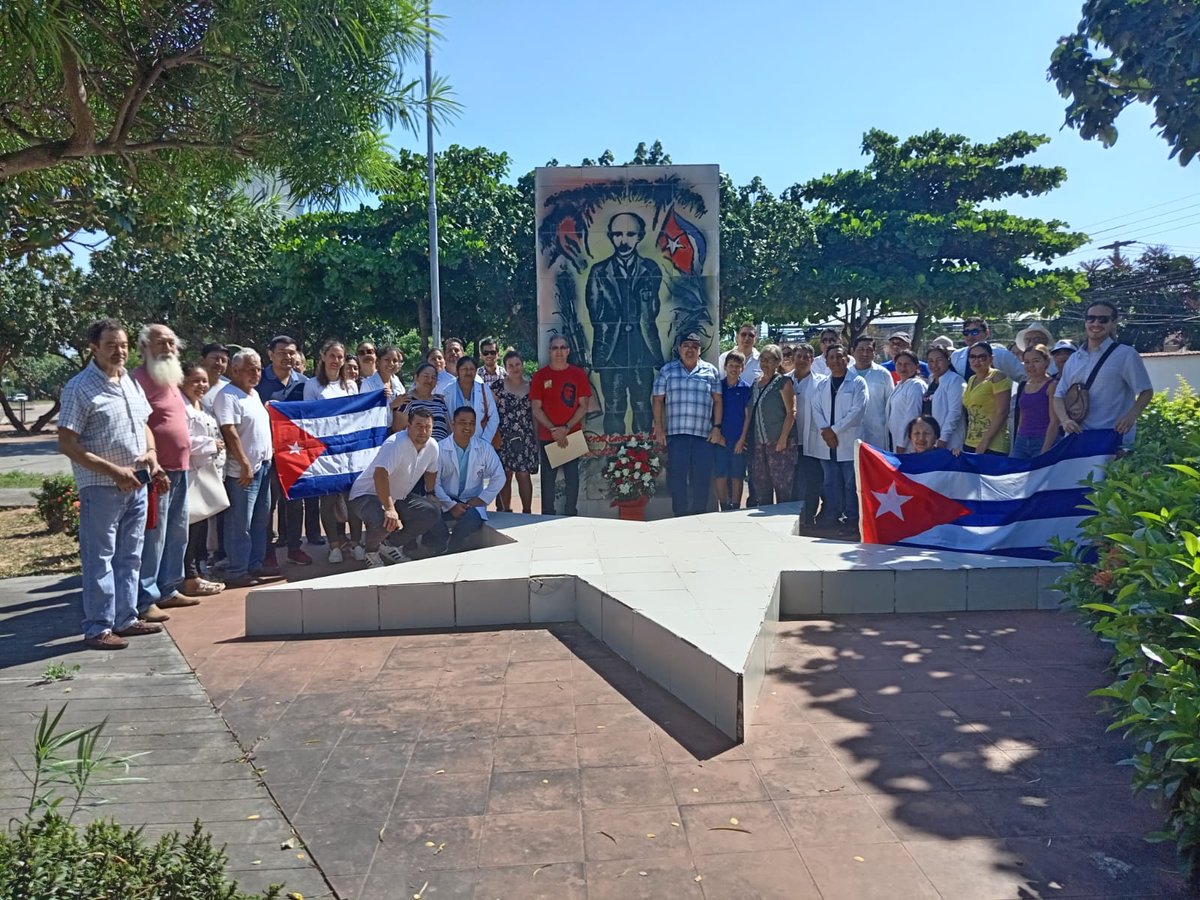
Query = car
x=20 y=398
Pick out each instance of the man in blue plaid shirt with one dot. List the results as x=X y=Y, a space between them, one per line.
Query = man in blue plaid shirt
x=687 y=418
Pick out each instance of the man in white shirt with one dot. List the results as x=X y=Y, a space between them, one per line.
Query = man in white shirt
x=383 y=496
x=838 y=403
x=829 y=337
x=1121 y=388
x=809 y=477
x=246 y=430
x=747 y=334
x=470 y=476
x=975 y=330
x=879 y=388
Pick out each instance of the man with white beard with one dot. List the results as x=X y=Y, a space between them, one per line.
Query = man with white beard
x=160 y=376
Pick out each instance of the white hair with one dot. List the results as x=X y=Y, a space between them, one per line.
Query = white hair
x=144 y=336
x=239 y=359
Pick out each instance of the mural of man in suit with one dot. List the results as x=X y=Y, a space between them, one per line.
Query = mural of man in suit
x=622 y=297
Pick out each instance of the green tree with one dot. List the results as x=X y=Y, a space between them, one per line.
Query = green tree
x=362 y=271
x=1127 y=51
x=910 y=232
x=43 y=312
x=168 y=97
x=1158 y=295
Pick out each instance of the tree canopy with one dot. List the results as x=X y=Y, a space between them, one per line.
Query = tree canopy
x=915 y=231
x=170 y=98
x=1133 y=51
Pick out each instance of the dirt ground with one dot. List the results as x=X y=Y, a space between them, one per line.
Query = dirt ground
x=29 y=549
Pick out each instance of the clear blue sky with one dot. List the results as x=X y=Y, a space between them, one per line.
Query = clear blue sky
x=785 y=90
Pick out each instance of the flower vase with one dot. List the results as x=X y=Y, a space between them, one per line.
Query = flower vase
x=631 y=510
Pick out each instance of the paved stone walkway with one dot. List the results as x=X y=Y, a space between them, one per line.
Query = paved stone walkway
x=153 y=702
x=952 y=756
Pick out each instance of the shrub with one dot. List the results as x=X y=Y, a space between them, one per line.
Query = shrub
x=52 y=858
x=58 y=504
x=1138 y=588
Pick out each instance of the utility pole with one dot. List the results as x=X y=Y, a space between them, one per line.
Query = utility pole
x=1115 y=247
x=435 y=294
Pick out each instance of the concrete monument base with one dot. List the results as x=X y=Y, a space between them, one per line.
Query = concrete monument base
x=689 y=602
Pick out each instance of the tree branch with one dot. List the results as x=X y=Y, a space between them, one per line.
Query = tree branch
x=83 y=124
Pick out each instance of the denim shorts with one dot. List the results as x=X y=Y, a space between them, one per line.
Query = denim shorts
x=727 y=464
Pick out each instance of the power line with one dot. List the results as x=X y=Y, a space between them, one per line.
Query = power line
x=1127 y=225
x=1142 y=210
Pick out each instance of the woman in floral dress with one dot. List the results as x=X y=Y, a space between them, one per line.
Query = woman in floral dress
x=518 y=442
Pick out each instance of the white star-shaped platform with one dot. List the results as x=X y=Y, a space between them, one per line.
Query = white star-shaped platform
x=689 y=602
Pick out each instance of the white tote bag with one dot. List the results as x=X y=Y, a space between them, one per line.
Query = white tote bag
x=206 y=493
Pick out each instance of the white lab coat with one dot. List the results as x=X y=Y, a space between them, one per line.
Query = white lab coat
x=875 y=416
x=904 y=405
x=483 y=401
x=847 y=423
x=485 y=475
x=807 y=435
x=948 y=409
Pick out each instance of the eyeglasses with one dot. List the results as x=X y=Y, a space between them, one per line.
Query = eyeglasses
x=977 y=356
x=690 y=345
x=559 y=348
x=972 y=332
x=1099 y=320
x=747 y=334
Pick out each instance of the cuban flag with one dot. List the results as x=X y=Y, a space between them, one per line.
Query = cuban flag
x=978 y=503
x=321 y=446
x=682 y=243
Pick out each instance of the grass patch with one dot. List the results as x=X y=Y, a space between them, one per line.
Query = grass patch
x=29 y=549
x=19 y=479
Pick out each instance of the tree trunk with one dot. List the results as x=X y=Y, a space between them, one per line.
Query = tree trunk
x=42 y=420
x=919 y=328
x=19 y=426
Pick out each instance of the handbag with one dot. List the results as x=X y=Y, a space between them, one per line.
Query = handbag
x=1075 y=400
x=206 y=494
x=497 y=440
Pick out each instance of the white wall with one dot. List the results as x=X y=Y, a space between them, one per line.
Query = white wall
x=1166 y=368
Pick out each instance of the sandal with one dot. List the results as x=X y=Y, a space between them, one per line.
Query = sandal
x=201 y=587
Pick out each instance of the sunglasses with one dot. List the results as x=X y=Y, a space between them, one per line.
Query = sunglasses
x=748 y=334
x=972 y=332
x=977 y=356
x=1100 y=320
x=489 y=352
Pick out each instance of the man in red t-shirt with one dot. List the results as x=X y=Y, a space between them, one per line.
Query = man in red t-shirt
x=559 y=395
x=160 y=376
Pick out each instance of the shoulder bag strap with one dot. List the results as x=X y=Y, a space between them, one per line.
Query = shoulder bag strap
x=1087 y=385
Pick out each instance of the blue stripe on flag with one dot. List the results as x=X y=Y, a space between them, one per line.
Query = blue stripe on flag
x=1042 y=505
x=356 y=440
x=321 y=409
x=1073 y=446
x=320 y=485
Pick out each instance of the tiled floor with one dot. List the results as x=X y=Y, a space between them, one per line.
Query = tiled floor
x=895 y=756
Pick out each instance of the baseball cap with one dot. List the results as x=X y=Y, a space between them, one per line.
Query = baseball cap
x=1069 y=346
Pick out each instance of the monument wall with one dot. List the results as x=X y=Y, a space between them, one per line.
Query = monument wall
x=628 y=260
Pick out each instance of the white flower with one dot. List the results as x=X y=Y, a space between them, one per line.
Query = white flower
x=625 y=487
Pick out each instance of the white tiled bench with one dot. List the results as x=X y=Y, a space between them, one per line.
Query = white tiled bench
x=688 y=602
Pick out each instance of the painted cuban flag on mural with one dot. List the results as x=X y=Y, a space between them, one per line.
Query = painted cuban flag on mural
x=980 y=503
x=322 y=445
x=683 y=243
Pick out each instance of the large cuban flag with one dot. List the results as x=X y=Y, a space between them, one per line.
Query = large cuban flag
x=322 y=445
x=980 y=503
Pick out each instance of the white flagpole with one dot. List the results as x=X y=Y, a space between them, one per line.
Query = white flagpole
x=435 y=296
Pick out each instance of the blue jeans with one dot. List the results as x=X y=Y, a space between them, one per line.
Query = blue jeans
x=112 y=524
x=840 y=494
x=689 y=473
x=246 y=523
x=166 y=545
x=1026 y=447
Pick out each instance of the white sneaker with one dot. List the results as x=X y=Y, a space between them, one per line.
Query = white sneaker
x=392 y=554
x=335 y=554
x=374 y=561
x=360 y=552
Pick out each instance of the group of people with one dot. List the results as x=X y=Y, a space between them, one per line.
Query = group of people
x=177 y=481
x=789 y=419
x=174 y=466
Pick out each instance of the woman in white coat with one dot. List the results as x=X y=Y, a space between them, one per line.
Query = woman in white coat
x=838 y=404
x=943 y=399
x=904 y=403
x=467 y=390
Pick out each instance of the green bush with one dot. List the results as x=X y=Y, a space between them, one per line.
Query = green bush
x=58 y=504
x=1138 y=587
x=52 y=858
